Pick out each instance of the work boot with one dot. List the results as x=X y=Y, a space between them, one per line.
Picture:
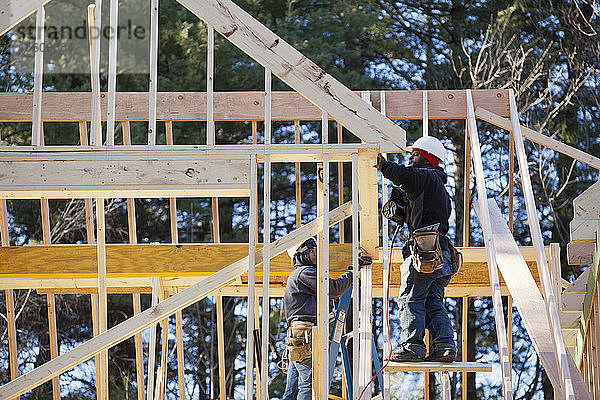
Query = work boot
x=445 y=355
x=405 y=355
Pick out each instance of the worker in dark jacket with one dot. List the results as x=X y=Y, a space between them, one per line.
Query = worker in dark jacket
x=426 y=271
x=300 y=306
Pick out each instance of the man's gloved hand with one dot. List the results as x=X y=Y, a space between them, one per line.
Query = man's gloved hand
x=364 y=259
x=380 y=161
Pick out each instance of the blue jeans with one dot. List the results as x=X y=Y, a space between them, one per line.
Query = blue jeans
x=299 y=381
x=422 y=305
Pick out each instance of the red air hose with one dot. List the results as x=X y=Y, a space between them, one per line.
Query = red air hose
x=386 y=306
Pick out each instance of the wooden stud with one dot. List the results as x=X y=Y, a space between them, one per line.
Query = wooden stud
x=446 y=392
x=425 y=114
x=355 y=272
x=490 y=250
x=340 y=171
x=100 y=371
x=511 y=181
x=152 y=344
x=256 y=326
x=251 y=278
x=464 y=326
x=540 y=254
x=317 y=338
x=94 y=24
x=210 y=71
x=266 y=273
x=221 y=345
x=89 y=227
x=555 y=273
x=139 y=354
x=299 y=72
x=50 y=300
x=324 y=333
x=467 y=190
x=13 y=363
x=298 y=182
x=153 y=83
x=385 y=272
x=509 y=318
x=175 y=239
x=112 y=72
x=102 y=293
x=369 y=201
x=38 y=76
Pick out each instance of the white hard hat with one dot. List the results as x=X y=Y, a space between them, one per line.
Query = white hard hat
x=292 y=250
x=432 y=145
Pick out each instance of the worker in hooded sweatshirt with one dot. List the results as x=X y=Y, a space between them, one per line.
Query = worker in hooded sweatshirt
x=300 y=306
x=429 y=255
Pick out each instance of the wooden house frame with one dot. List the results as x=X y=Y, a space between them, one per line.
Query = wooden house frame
x=98 y=169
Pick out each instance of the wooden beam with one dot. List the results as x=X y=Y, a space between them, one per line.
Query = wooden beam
x=252 y=239
x=38 y=77
x=94 y=25
x=299 y=72
x=102 y=292
x=112 y=72
x=14 y=11
x=210 y=71
x=580 y=253
x=242 y=106
x=539 y=138
x=153 y=73
x=369 y=201
x=355 y=270
x=439 y=367
x=73 y=174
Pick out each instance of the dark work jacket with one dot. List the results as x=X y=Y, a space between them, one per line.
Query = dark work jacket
x=429 y=202
x=300 y=297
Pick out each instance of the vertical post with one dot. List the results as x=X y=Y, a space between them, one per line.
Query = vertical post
x=355 y=272
x=323 y=275
x=102 y=294
x=137 y=301
x=152 y=344
x=50 y=300
x=38 y=77
x=94 y=22
x=464 y=343
x=510 y=328
x=317 y=330
x=251 y=279
x=467 y=191
x=112 y=72
x=511 y=181
x=340 y=171
x=365 y=334
x=266 y=311
x=221 y=343
x=555 y=270
x=10 y=303
x=446 y=392
x=425 y=114
x=540 y=253
x=210 y=68
x=298 y=182
x=89 y=227
x=387 y=346
x=490 y=250
x=153 y=84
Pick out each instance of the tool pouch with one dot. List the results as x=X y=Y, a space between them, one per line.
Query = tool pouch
x=426 y=250
x=299 y=340
x=457 y=259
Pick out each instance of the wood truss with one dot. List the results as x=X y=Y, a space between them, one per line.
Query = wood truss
x=172 y=272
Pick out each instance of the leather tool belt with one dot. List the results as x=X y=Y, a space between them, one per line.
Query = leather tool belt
x=299 y=340
x=426 y=250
